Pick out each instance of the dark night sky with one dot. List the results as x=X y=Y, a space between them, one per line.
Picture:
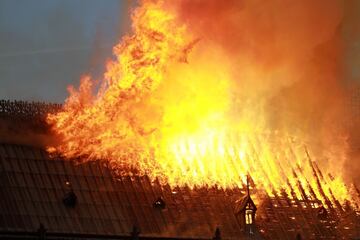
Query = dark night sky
x=45 y=45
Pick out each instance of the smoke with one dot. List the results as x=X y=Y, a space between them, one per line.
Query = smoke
x=351 y=38
x=287 y=61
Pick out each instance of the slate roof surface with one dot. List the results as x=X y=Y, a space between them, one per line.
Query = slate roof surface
x=33 y=186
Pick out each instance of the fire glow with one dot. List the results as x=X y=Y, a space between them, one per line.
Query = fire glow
x=176 y=106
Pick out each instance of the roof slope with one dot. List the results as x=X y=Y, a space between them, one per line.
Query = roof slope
x=33 y=186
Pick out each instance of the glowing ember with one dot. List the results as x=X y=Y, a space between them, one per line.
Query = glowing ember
x=170 y=106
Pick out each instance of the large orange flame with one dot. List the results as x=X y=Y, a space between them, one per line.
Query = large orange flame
x=170 y=107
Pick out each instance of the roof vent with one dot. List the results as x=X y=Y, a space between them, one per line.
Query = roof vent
x=70 y=199
x=159 y=203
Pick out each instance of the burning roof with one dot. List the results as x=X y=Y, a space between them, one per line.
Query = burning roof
x=36 y=188
x=168 y=109
x=187 y=110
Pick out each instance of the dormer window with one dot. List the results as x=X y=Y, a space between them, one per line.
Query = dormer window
x=245 y=211
x=248 y=216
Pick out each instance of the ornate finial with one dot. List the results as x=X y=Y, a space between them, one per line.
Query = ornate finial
x=135 y=232
x=217 y=235
x=42 y=231
x=247 y=185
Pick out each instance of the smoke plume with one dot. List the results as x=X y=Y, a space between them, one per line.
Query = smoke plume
x=286 y=59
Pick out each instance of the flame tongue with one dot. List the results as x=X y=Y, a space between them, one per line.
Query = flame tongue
x=114 y=125
x=170 y=115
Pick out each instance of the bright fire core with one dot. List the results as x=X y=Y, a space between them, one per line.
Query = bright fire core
x=179 y=107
